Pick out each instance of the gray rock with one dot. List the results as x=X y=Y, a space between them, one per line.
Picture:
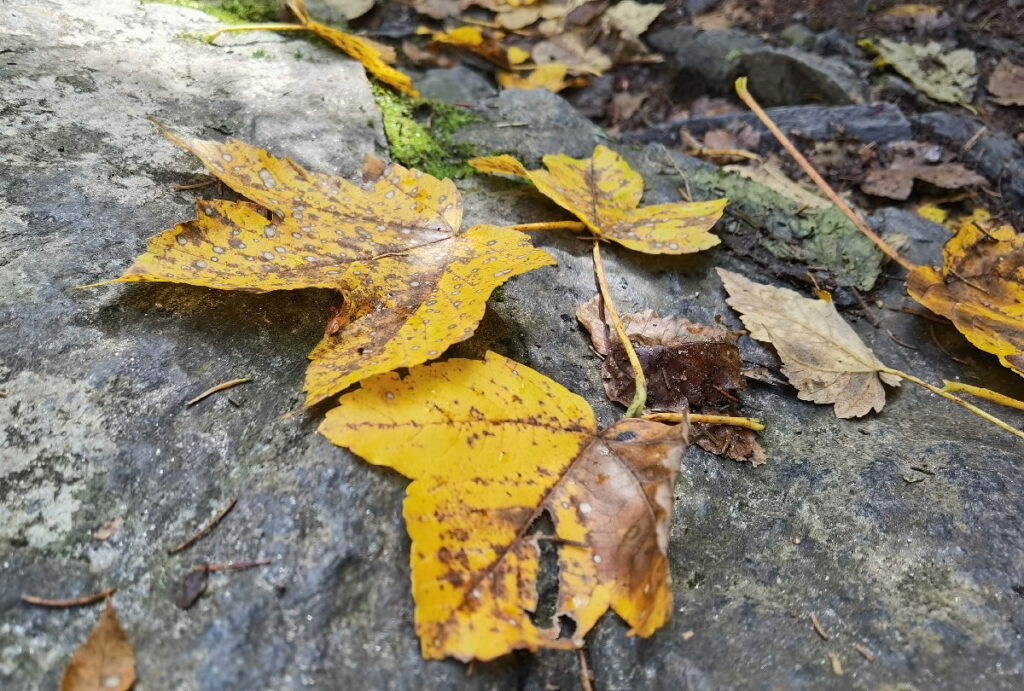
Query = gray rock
x=799 y=35
x=790 y=76
x=533 y=122
x=996 y=155
x=92 y=424
x=459 y=84
x=706 y=60
x=877 y=122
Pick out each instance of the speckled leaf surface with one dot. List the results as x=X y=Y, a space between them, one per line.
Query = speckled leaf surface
x=413 y=284
x=490 y=446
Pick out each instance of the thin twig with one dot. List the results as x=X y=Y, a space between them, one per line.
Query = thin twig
x=275 y=26
x=959 y=401
x=585 y=680
x=72 y=602
x=553 y=225
x=748 y=422
x=864 y=652
x=818 y=628
x=220 y=387
x=207 y=528
x=640 y=397
x=987 y=394
x=193 y=186
x=969 y=144
x=232 y=566
x=741 y=90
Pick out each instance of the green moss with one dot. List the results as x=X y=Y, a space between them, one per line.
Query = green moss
x=231 y=11
x=420 y=133
x=814 y=237
x=259 y=53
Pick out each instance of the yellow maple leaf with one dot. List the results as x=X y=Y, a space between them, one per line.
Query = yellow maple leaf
x=413 y=283
x=551 y=76
x=980 y=288
x=490 y=446
x=604 y=193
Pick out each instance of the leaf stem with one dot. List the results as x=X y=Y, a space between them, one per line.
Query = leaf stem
x=956 y=399
x=552 y=225
x=274 y=26
x=741 y=90
x=987 y=394
x=748 y=422
x=640 y=397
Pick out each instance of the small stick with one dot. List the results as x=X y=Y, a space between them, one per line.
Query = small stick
x=553 y=225
x=232 y=566
x=818 y=628
x=206 y=529
x=193 y=186
x=585 y=680
x=635 y=408
x=741 y=90
x=864 y=652
x=215 y=389
x=511 y=124
x=969 y=144
x=72 y=602
x=959 y=401
x=748 y=422
x=274 y=26
x=987 y=394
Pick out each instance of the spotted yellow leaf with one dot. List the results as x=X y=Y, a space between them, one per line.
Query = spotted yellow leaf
x=980 y=288
x=412 y=282
x=605 y=193
x=491 y=446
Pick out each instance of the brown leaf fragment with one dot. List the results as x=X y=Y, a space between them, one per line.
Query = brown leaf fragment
x=108 y=529
x=688 y=366
x=822 y=356
x=917 y=161
x=105 y=661
x=192 y=587
x=1007 y=83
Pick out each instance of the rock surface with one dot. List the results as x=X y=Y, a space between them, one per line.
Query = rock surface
x=924 y=574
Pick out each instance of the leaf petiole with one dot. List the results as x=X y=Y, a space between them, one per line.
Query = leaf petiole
x=273 y=26
x=553 y=225
x=635 y=408
x=987 y=394
x=944 y=392
x=748 y=422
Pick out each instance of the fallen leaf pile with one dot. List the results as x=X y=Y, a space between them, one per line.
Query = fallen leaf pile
x=413 y=283
x=688 y=366
x=491 y=446
x=945 y=75
x=822 y=356
x=605 y=193
x=912 y=161
x=980 y=288
x=105 y=661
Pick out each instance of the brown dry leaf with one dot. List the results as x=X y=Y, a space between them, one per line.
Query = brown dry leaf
x=917 y=161
x=1007 y=83
x=427 y=57
x=688 y=366
x=413 y=282
x=491 y=446
x=572 y=50
x=980 y=288
x=105 y=661
x=822 y=356
x=373 y=56
x=604 y=193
